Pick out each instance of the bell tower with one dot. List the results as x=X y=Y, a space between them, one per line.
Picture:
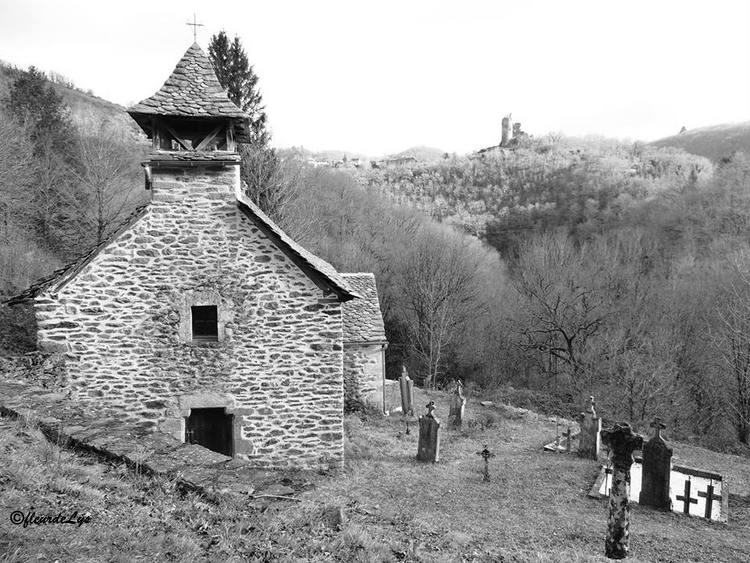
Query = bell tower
x=193 y=126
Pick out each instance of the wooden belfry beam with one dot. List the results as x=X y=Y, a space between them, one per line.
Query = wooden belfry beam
x=176 y=137
x=211 y=136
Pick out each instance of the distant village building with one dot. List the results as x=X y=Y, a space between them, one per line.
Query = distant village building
x=199 y=317
x=396 y=162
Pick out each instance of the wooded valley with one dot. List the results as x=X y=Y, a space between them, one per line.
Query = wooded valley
x=561 y=268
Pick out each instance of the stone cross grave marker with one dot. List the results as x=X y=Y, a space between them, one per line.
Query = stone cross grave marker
x=428 y=449
x=686 y=498
x=657 y=468
x=589 y=439
x=407 y=386
x=458 y=401
x=486 y=455
x=622 y=442
x=710 y=498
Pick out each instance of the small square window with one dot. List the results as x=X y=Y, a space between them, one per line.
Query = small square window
x=205 y=323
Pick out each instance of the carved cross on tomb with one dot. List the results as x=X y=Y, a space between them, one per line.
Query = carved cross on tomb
x=430 y=407
x=686 y=498
x=710 y=498
x=658 y=426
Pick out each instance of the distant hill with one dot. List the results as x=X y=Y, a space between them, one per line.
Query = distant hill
x=87 y=110
x=714 y=142
x=423 y=154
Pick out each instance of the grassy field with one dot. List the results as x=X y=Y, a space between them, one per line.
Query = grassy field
x=534 y=509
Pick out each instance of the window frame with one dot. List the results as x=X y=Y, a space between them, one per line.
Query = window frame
x=204 y=336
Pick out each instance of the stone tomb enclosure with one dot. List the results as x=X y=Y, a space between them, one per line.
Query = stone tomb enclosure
x=699 y=483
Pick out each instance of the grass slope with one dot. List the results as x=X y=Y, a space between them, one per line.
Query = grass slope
x=713 y=142
x=535 y=508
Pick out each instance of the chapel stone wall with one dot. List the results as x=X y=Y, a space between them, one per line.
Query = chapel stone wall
x=123 y=325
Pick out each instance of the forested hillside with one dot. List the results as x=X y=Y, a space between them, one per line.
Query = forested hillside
x=68 y=175
x=629 y=274
x=715 y=142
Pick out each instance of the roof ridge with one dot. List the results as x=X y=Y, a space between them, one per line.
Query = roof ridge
x=317 y=264
x=62 y=275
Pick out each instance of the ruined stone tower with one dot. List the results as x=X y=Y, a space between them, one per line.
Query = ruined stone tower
x=507 y=134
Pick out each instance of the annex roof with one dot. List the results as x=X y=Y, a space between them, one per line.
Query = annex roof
x=362 y=318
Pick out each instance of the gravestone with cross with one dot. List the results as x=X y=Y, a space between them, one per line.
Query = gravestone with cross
x=428 y=449
x=486 y=455
x=406 y=385
x=589 y=440
x=710 y=498
x=657 y=468
x=458 y=401
x=622 y=442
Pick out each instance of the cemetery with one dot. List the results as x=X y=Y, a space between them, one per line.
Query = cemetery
x=451 y=475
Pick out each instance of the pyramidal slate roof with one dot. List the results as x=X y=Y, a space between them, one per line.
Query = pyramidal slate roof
x=192 y=90
x=362 y=319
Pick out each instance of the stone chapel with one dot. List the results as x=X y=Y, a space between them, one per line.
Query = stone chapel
x=198 y=316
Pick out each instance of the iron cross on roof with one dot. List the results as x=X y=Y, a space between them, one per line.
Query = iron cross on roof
x=195 y=28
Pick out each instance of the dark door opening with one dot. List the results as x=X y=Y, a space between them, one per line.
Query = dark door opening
x=210 y=428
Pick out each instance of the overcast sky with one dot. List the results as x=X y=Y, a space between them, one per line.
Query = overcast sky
x=380 y=76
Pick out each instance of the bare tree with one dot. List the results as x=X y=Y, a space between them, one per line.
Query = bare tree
x=564 y=302
x=107 y=174
x=17 y=170
x=732 y=339
x=439 y=279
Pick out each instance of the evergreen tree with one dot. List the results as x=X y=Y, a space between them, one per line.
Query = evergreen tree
x=34 y=102
x=238 y=78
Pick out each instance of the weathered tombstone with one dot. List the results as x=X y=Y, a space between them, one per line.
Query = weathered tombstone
x=407 y=386
x=458 y=401
x=486 y=455
x=589 y=439
x=657 y=467
x=429 y=436
x=568 y=439
x=622 y=442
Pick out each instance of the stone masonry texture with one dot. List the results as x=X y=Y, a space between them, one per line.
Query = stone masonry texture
x=123 y=326
x=363 y=375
